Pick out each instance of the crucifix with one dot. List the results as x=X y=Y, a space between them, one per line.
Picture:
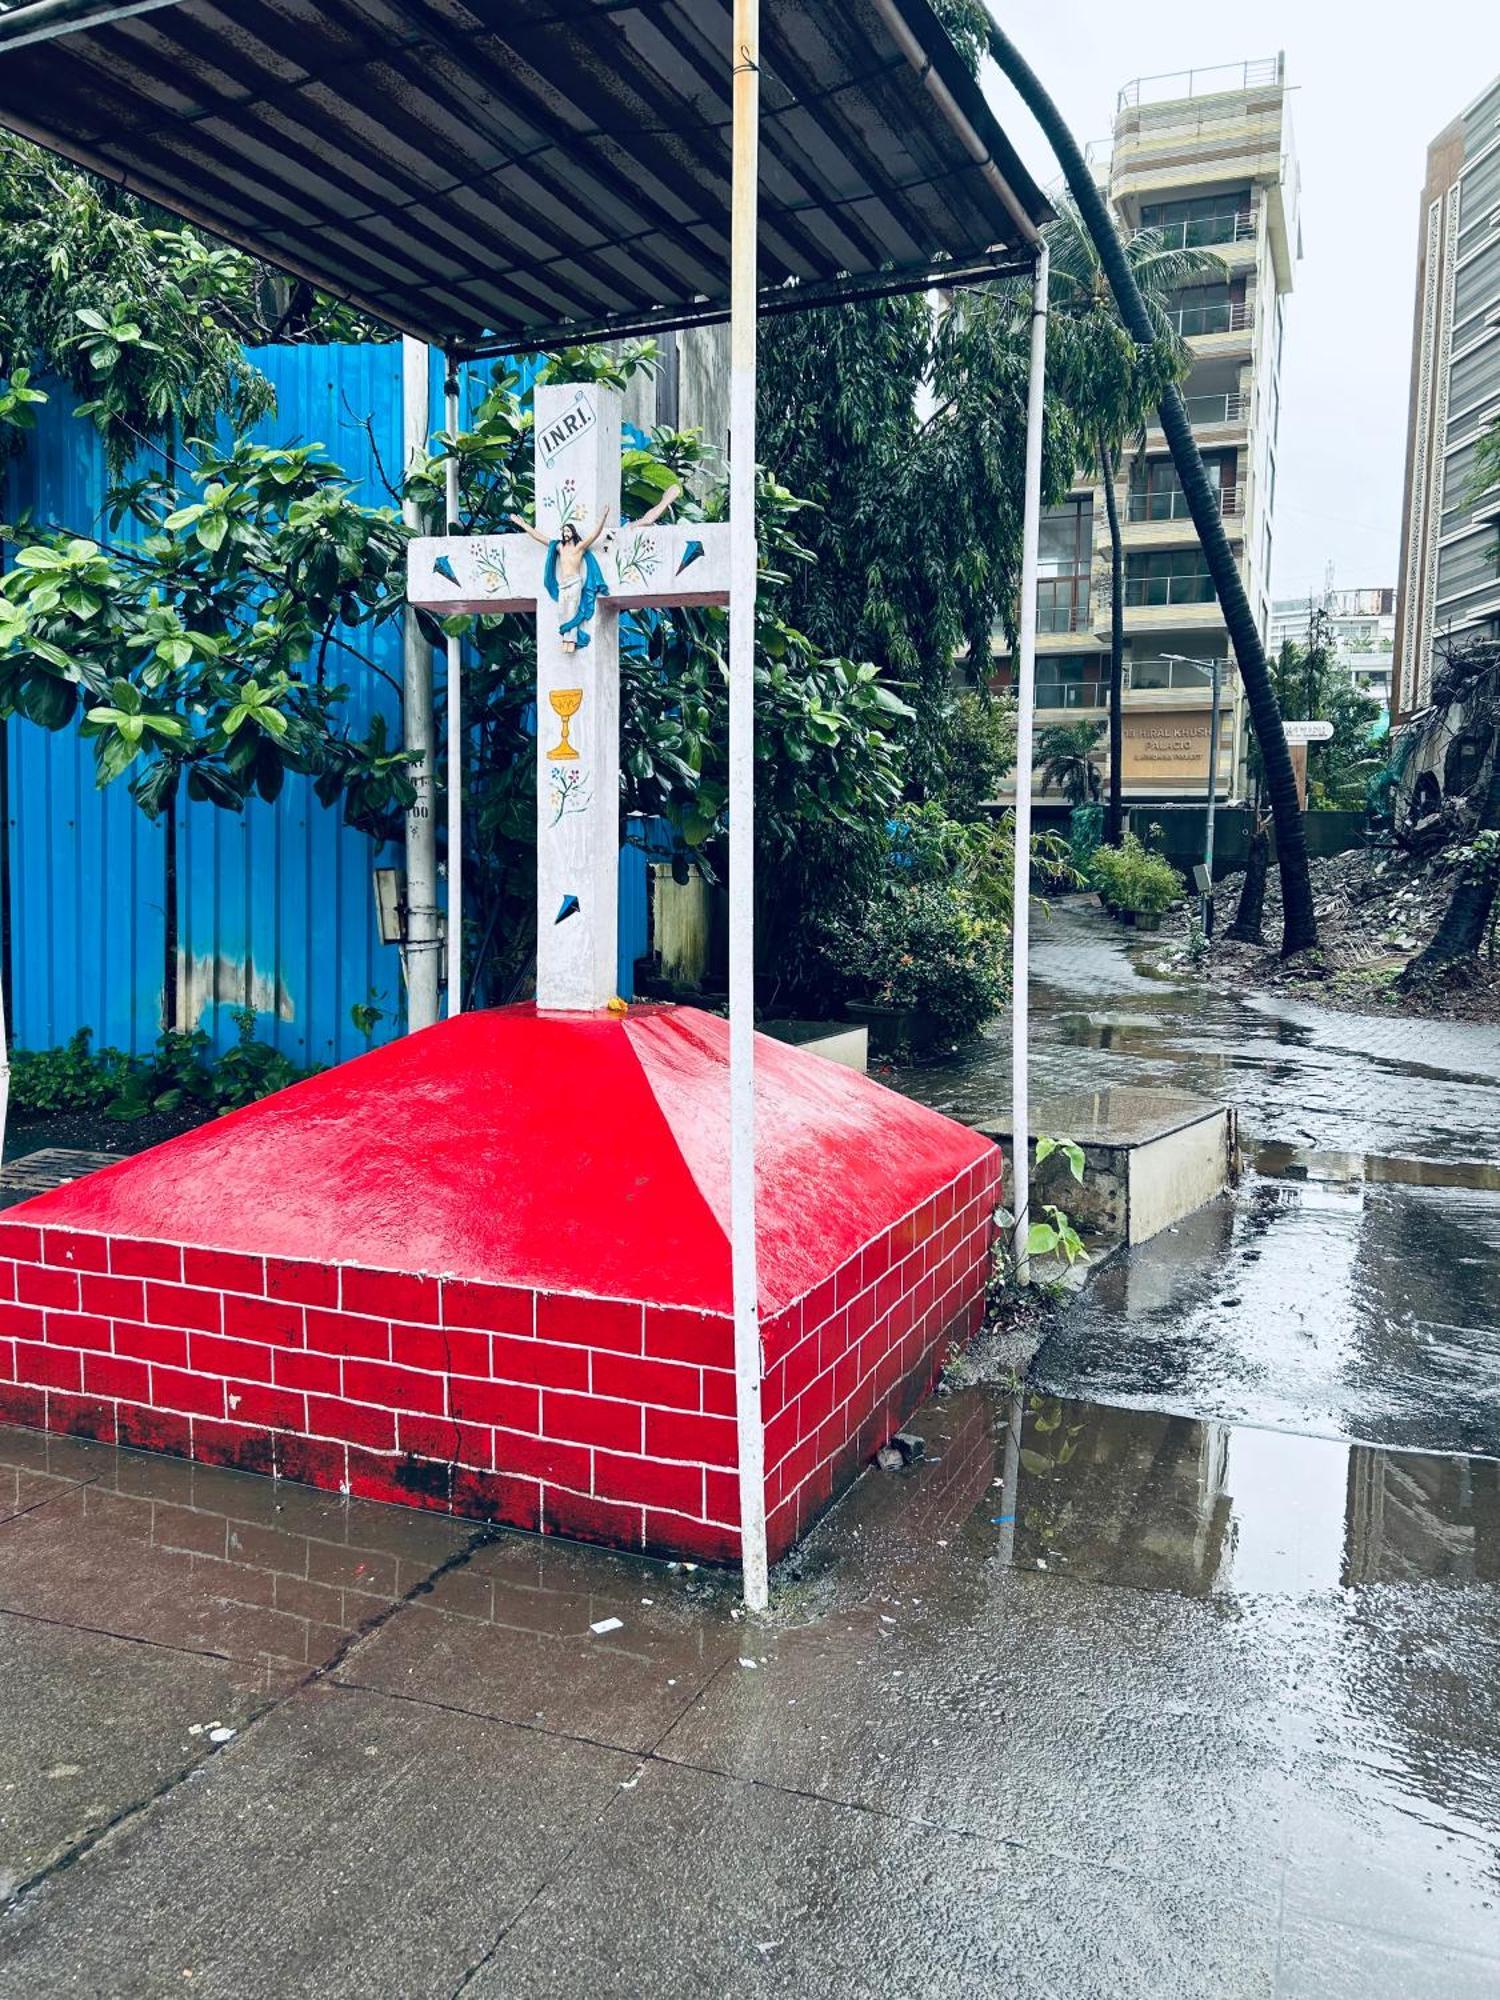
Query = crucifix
x=575 y=570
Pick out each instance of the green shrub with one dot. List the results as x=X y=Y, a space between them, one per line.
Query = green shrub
x=180 y=1072
x=924 y=945
x=1130 y=877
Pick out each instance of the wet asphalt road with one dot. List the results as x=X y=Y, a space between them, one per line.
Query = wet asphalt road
x=1110 y=1697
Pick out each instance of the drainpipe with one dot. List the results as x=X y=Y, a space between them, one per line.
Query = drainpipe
x=455 y=648
x=420 y=951
x=743 y=203
x=1020 y=1110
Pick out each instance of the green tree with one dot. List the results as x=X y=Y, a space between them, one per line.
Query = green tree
x=143 y=318
x=1311 y=685
x=1300 y=926
x=1113 y=384
x=1067 y=756
x=198 y=655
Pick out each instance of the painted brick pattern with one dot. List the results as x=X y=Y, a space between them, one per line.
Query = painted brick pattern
x=600 y=1419
x=847 y=1364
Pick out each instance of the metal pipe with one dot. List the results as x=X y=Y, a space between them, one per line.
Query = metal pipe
x=1206 y=914
x=46 y=19
x=420 y=951
x=1031 y=522
x=921 y=62
x=744 y=193
x=455 y=717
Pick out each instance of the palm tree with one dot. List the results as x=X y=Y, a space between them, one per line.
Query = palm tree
x=1113 y=385
x=1300 y=926
x=1067 y=761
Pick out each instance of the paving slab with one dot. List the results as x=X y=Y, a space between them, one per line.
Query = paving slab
x=94 y=1728
x=510 y=1635
x=346 y=1844
x=214 y=1561
x=694 y=1885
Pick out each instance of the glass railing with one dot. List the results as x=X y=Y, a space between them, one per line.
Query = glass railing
x=1170 y=503
x=1072 y=694
x=1186 y=589
x=1160 y=673
x=1216 y=409
x=1066 y=617
x=1204 y=232
x=1224 y=316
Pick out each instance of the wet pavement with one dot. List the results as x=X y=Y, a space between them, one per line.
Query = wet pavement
x=1086 y=1701
x=1131 y=1689
x=1350 y=1286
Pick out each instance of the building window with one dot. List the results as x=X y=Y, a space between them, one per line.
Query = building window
x=1156 y=492
x=1065 y=561
x=1202 y=220
x=1168 y=576
x=1200 y=309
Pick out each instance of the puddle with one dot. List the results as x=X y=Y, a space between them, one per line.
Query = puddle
x=1280 y=1161
x=1159 y=1502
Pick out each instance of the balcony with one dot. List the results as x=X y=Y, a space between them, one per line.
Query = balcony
x=1223 y=316
x=1203 y=411
x=1153 y=673
x=1151 y=591
x=1170 y=504
x=1057 y=694
x=1208 y=232
x=1171 y=86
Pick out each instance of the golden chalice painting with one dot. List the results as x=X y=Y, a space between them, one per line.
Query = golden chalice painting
x=566 y=703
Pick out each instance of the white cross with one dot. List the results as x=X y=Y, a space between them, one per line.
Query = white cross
x=577 y=447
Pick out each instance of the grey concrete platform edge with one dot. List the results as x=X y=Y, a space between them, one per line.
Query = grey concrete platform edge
x=1151 y=1157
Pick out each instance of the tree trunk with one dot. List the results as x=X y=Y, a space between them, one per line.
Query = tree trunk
x=1246 y=928
x=1467 y=917
x=1114 y=818
x=169 y=908
x=1300 y=929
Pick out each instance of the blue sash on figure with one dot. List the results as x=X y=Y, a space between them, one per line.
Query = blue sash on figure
x=594 y=587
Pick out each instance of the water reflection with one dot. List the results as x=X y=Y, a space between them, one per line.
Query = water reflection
x=1161 y=1502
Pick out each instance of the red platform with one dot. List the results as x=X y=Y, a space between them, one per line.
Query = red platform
x=486 y=1269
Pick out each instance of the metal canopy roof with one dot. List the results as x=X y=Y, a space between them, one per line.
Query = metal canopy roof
x=503 y=174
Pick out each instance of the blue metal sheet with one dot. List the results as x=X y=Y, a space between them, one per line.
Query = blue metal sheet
x=275 y=906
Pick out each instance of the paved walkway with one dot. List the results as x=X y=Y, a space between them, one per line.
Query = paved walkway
x=1114 y=1698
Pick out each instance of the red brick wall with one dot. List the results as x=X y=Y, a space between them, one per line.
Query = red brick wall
x=596 y=1418
x=847 y=1365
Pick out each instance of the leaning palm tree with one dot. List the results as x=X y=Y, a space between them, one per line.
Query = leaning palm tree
x=1113 y=384
x=1300 y=924
x=1067 y=759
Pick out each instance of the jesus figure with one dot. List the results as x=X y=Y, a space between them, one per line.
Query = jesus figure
x=572 y=575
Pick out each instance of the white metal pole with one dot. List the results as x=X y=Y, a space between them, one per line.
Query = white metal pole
x=455 y=723
x=744 y=189
x=420 y=952
x=1031 y=518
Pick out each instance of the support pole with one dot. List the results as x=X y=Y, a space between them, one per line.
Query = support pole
x=420 y=951
x=1020 y=1031
x=744 y=190
x=1206 y=914
x=455 y=718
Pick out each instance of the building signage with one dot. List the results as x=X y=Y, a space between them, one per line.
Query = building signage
x=1307 y=732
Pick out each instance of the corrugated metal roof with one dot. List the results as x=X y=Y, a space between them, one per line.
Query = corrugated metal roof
x=523 y=172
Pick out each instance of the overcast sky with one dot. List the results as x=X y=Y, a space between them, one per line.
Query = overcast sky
x=1370 y=86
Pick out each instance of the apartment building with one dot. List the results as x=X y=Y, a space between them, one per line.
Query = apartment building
x=1361 y=633
x=1450 y=579
x=1206 y=157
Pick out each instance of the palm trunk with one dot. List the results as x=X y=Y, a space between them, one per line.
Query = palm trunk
x=1114 y=819
x=1247 y=917
x=1467 y=916
x=1300 y=930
